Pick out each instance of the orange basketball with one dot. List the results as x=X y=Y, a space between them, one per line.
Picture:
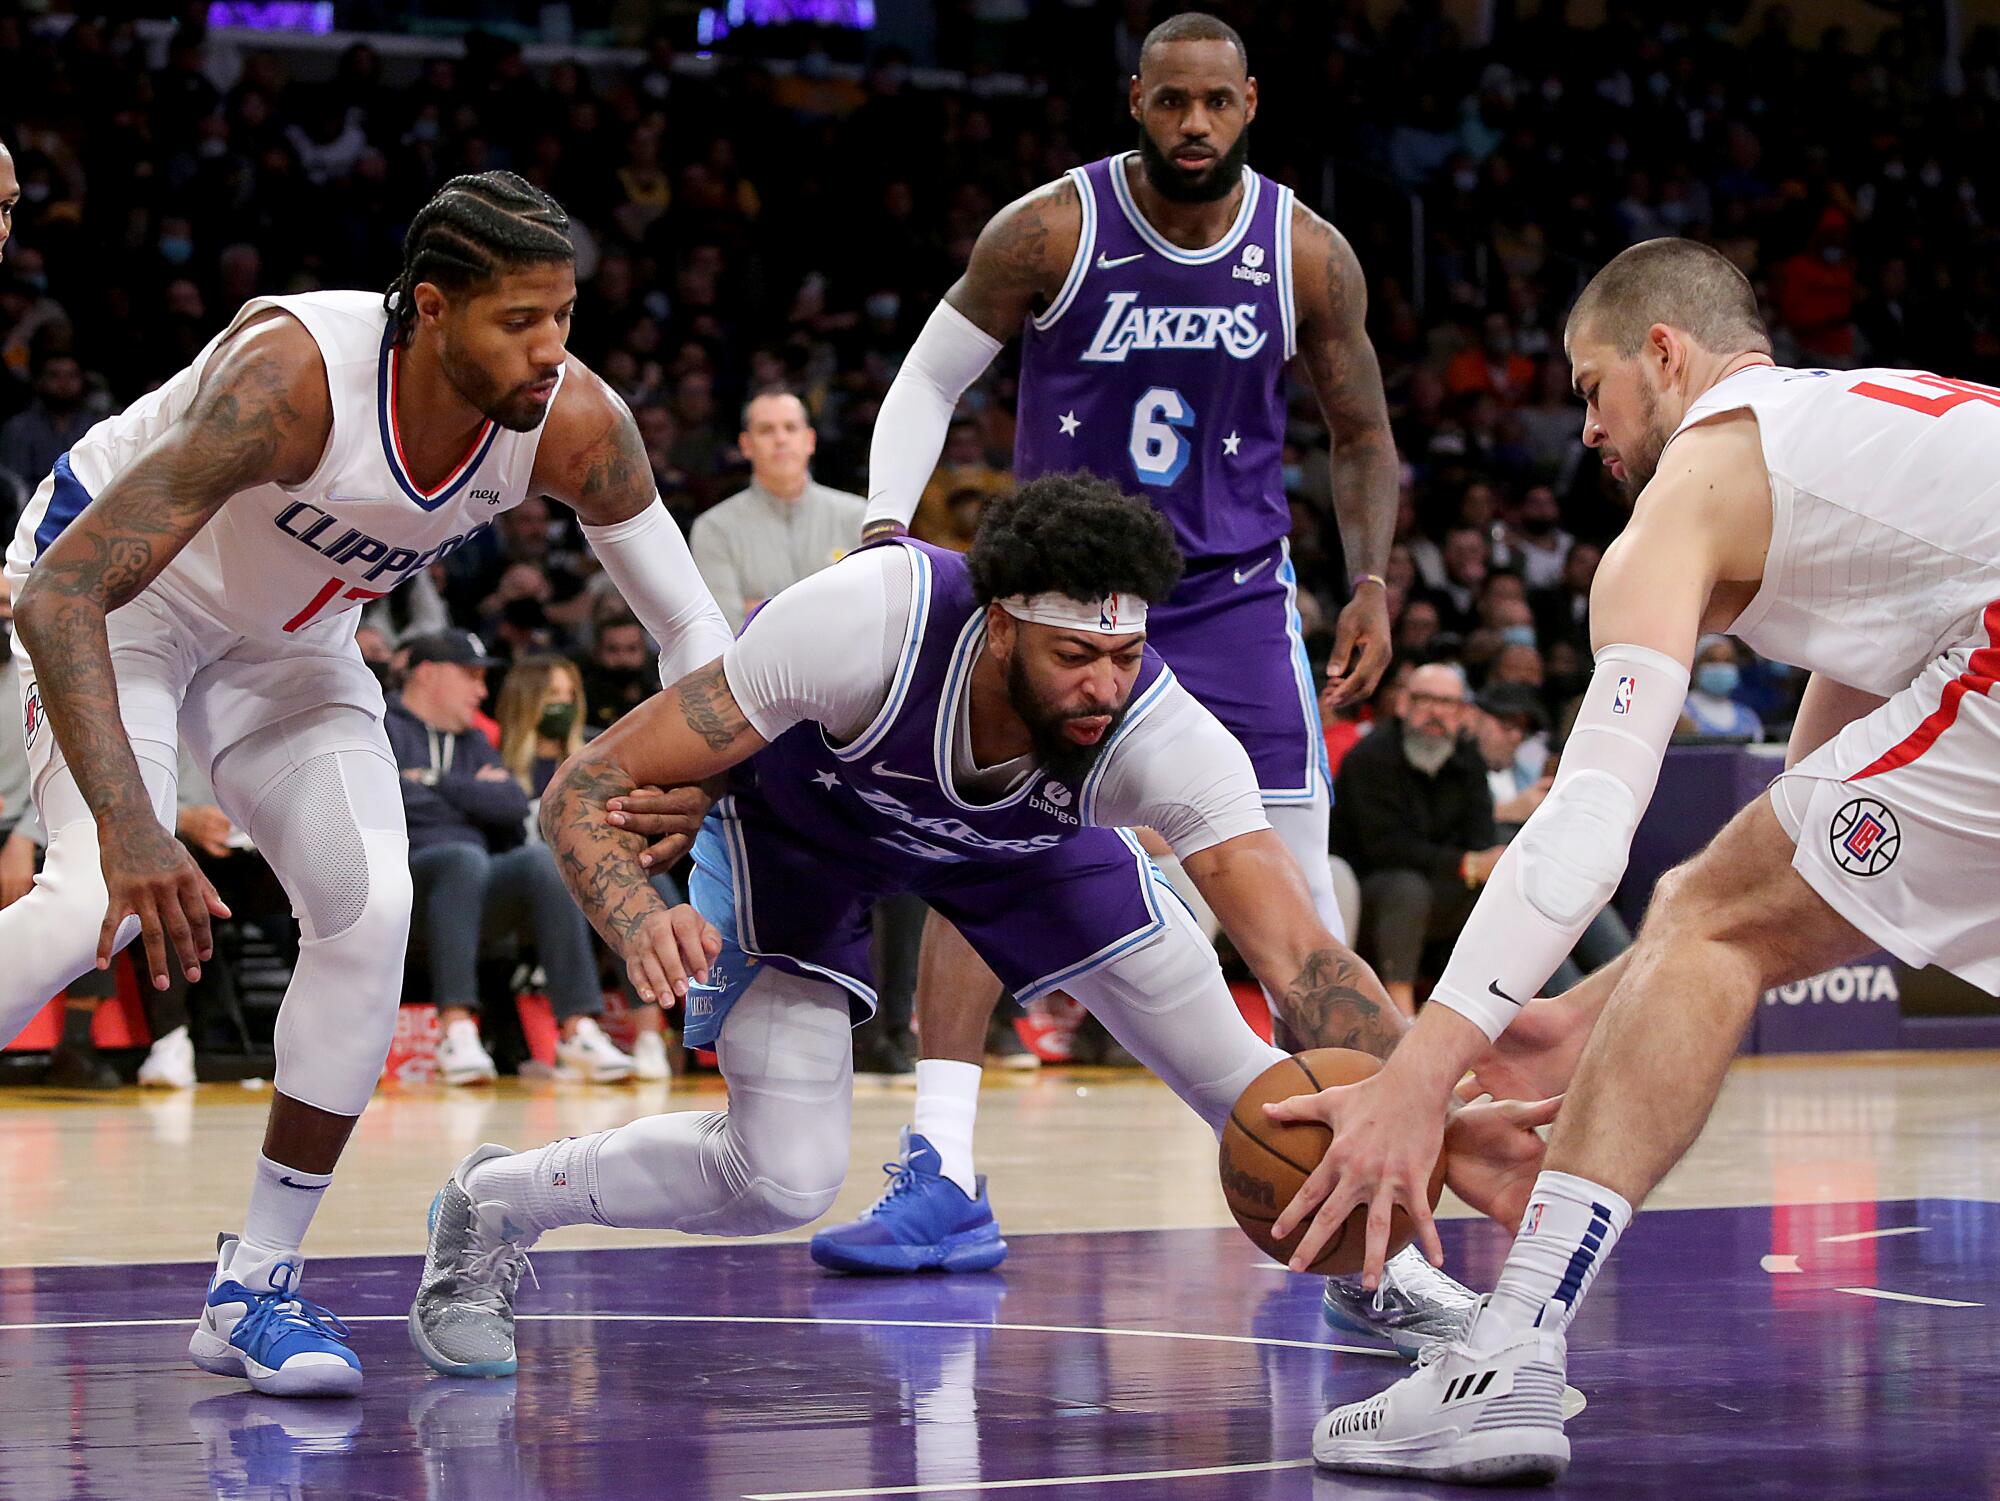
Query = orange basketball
x=1264 y=1162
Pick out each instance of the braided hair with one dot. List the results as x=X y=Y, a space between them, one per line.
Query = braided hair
x=476 y=227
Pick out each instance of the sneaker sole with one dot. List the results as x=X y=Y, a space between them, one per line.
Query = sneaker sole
x=968 y=1251
x=214 y=1354
x=1499 y=1456
x=218 y=1357
x=1405 y=1343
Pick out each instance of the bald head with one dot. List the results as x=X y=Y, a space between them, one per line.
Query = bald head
x=1681 y=283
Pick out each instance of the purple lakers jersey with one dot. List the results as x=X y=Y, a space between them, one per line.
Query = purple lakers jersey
x=1162 y=369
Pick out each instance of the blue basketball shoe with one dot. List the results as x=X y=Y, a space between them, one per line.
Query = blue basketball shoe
x=924 y=1223
x=255 y=1325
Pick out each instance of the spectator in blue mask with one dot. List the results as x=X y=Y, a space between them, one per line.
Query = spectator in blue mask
x=1712 y=708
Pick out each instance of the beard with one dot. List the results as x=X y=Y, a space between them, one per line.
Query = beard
x=1644 y=462
x=1217 y=180
x=1427 y=752
x=512 y=408
x=1060 y=756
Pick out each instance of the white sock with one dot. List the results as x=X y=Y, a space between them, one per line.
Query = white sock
x=1566 y=1235
x=546 y=1188
x=947 y=1105
x=282 y=1201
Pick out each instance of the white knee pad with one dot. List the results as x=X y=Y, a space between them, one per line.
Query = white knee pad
x=1168 y=1005
x=322 y=827
x=1573 y=852
x=1302 y=829
x=777 y=1156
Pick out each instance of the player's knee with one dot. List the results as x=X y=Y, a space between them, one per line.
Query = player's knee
x=363 y=901
x=768 y=1205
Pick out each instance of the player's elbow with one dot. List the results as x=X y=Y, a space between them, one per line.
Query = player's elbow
x=36 y=608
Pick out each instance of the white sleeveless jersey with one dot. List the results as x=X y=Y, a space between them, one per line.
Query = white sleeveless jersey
x=297 y=562
x=1885 y=517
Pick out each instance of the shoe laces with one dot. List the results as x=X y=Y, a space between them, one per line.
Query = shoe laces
x=1420 y=1280
x=284 y=1308
x=492 y=1275
x=902 y=1180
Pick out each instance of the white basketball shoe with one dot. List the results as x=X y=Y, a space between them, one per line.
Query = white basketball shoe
x=1485 y=1417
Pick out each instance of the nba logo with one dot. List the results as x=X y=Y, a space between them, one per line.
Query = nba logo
x=1533 y=1222
x=1621 y=701
x=1107 y=613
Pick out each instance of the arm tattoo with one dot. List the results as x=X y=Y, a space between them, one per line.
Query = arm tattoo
x=1336 y=1002
x=618 y=478
x=1348 y=380
x=710 y=709
x=232 y=438
x=1011 y=265
x=599 y=863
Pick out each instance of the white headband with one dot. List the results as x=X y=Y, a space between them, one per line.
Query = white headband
x=1113 y=615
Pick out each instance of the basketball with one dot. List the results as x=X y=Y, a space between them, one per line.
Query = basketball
x=1264 y=1162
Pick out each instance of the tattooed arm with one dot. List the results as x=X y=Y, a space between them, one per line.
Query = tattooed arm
x=694 y=730
x=261 y=414
x=1326 y=995
x=1020 y=260
x=1340 y=360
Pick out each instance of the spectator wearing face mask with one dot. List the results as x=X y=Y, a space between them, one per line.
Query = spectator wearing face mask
x=1540 y=545
x=1712 y=708
x=621 y=674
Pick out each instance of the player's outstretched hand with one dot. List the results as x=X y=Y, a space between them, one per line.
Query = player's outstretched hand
x=1536 y=1056
x=670 y=818
x=1361 y=644
x=150 y=874
x=665 y=949
x=1495 y=1154
x=1385 y=1143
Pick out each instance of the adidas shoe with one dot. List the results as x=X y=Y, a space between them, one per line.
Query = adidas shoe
x=589 y=1054
x=462 y=1319
x=923 y=1223
x=1416 y=1305
x=256 y=1326
x=1489 y=1417
x=462 y=1058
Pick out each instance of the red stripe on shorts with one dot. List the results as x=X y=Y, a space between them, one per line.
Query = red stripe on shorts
x=1981 y=673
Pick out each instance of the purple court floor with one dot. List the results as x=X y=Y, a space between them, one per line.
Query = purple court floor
x=1820 y=1351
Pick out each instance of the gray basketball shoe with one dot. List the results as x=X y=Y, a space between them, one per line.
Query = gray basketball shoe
x=1416 y=1305
x=462 y=1321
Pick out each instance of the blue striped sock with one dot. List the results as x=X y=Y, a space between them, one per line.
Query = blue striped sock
x=1566 y=1235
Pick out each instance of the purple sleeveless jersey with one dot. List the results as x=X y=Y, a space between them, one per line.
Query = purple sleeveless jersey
x=788 y=865
x=1162 y=371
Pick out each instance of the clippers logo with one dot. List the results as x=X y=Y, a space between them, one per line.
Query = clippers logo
x=1621 y=700
x=1253 y=257
x=1864 y=837
x=34 y=714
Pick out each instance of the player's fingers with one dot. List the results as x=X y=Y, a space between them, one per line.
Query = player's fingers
x=1326 y=1224
x=647 y=978
x=666 y=952
x=711 y=942
x=153 y=937
x=1469 y=1089
x=1318 y=1184
x=115 y=913
x=1303 y=1107
x=1368 y=672
x=1425 y=1225
x=1532 y=1112
x=688 y=933
x=187 y=947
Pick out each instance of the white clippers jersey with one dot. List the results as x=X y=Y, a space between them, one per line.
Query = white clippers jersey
x=1885 y=517
x=285 y=562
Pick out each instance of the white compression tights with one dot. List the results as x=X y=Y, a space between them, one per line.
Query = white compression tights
x=1302 y=828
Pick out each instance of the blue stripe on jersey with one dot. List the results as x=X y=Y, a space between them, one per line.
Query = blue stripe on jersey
x=471 y=467
x=66 y=503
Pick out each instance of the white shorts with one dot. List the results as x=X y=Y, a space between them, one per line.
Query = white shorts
x=182 y=676
x=1897 y=819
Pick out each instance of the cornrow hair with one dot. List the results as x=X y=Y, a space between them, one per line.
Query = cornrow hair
x=476 y=227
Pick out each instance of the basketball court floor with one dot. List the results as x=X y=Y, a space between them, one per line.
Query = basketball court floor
x=1810 y=1308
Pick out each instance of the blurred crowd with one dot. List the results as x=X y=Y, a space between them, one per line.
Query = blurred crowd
x=744 y=228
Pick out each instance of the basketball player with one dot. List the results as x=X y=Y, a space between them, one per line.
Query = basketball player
x=1162 y=297
x=193 y=569
x=979 y=732
x=1842 y=521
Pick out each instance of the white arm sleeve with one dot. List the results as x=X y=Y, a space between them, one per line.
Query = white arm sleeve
x=1180 y=772
x=826 y=648
x=647 y=558
x=949 y=355
x=1568 y=858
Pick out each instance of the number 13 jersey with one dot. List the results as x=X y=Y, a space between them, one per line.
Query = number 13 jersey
x=1162 y=369
x=296 y=562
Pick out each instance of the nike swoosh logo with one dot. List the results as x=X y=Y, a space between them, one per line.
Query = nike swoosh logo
x=1105 y=263
x=902 y=776
x=1243 y=577
x=309 y=1188
x=1494 y=986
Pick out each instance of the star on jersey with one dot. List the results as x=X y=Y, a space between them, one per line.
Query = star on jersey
x=1068 y=423
x=827 y=780
x=1230 y=444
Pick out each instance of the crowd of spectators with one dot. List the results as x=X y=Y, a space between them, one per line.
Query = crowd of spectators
x=742 y=228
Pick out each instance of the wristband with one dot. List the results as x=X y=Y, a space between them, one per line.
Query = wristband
x=1359 y=579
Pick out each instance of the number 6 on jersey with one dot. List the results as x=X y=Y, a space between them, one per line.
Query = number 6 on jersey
x=1159 y=451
